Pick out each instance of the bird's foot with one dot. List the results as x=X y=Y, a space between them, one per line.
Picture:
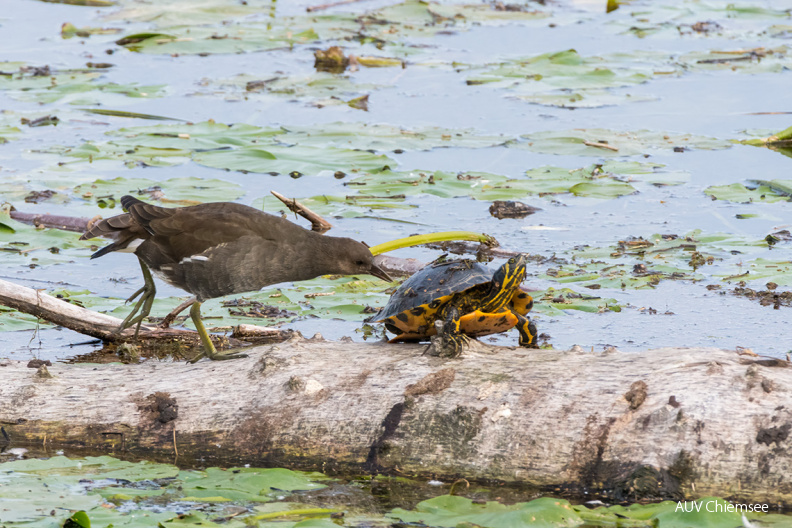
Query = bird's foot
x=142 y=308
x=209 y=350
x=216 y=356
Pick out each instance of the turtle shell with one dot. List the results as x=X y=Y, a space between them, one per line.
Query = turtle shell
x=419 y=297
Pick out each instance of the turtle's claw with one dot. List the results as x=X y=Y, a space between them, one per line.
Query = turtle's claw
x=448 y=342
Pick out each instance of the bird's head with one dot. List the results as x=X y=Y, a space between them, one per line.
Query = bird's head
x=356 y=258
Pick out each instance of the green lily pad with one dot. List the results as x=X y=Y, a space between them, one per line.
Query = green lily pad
x=708 y=512
x=43 y=85
x=756 y=61
x=297 y=160
x=319 y=88
x=762 y=269
x=599 y=274
x=12 y=321
x=737 y=192
x=604 y=181
x=608 y=143
x=452 y=511
x=564 y=69
x=103 y=467
x=386 y=137
x=8 y=133
x=487 y=13
x=698 y=20
x=554 y=302
x=47 y=492
x=583 y=98
x=244 y=148
x=176 y=191
x=248 y=484
x=343 y=298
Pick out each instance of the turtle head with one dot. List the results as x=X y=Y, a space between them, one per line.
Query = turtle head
x=507 y=279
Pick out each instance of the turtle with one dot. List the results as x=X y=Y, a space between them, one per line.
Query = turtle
x=460 y=298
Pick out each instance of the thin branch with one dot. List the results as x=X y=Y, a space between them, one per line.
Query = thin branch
x=65 y=223
x=318 y=224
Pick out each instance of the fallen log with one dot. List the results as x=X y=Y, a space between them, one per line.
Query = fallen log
x=105 y=327
x=668 y=423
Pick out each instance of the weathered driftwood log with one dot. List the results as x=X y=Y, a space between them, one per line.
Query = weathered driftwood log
x=105 y=327
x=668 y=422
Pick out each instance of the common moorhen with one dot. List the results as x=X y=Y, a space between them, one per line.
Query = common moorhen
x=217 y=249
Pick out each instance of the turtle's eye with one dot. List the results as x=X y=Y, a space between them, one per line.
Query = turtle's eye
x=511 y=260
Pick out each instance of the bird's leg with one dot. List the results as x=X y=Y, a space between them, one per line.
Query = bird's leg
x=143 y=305
x=209 y=349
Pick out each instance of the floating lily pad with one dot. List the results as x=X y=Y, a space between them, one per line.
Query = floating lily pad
x=583 y=98
x=711 y=512
x=698 y=20
x=104 y=467
x=46 y=492
x=554 y=302
x=176 y=191
x=243 y=148
x=751 y=61
x=45 y=85
x=599 y=274
x=226 y=39
x=297 y=160
x=737 y=192
x=319 y=88
x=604 y=181
x=608 y=143
x=452 y=511
x=12 y=321
x=564 y=69
x=343 y=298
x=216 y=27
x=762 y=269
x=248 y=484
x=69 y=30
x=386 y=137
x=8 y=132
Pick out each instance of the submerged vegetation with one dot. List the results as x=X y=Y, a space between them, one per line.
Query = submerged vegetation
x=105 y=491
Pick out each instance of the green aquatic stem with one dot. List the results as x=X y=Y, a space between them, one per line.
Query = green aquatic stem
x=443 y=236
x=286 y=513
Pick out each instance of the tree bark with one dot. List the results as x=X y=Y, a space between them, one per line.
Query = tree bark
x=669 y=423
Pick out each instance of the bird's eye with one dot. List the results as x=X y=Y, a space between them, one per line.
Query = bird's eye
x=360 y=262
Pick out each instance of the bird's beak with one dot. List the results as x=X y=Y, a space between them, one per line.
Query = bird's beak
x=379 y=273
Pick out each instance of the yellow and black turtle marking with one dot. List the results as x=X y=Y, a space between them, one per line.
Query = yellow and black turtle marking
x=467 y=296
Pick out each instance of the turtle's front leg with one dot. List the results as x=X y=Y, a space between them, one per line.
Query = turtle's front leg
x=449 y=341
x=527 y=331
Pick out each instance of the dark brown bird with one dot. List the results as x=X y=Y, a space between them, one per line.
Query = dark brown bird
x=217 y=249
